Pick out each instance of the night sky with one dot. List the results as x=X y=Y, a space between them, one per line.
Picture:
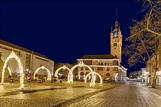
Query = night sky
x=66 y=30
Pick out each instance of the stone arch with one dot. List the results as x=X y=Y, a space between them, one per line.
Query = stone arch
x=48 y=72
x=63 y=67
x=81 y=73
x=93 y=77
x=81 y=64
x=107 y=74
x=13 y=55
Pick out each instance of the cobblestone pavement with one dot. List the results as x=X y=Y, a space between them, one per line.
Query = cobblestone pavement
x=43 y=98
x=46 y=94
x=130 y=94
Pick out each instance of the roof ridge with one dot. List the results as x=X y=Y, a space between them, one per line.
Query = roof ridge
x=20 y=48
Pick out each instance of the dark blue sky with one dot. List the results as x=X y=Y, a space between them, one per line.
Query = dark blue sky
x=66 y=30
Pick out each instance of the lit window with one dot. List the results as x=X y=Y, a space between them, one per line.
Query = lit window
x=115 y=44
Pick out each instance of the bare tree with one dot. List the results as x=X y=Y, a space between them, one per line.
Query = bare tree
x=144 y=36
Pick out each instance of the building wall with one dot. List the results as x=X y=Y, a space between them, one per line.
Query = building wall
x=154 y=65
x=116 y=45
x=107 y=68
x=29 y=60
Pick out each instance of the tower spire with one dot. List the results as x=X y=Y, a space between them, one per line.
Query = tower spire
x=116 y=14
x=117 y=27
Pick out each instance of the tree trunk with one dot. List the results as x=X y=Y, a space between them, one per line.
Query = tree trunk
x=154 y=80
x=154 y=83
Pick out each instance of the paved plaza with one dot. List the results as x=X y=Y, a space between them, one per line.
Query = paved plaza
x=130 y=94
x=46 y=94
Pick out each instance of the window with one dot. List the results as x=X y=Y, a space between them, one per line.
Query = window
x=88 y=62
x=115 y=62
x=86 y=68
x=115 y=69
x=115 y=44
x=107 y=74
x=108 y=69
x=115 y=33
x=110 y=63
x=100 y=68
x=28 y=61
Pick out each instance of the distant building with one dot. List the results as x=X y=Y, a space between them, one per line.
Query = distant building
x=108 y=66
x=140 y=75
x=134 y=75
x=144 y=75
x=29 y=59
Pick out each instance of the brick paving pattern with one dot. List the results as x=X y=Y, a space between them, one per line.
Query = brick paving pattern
x=129 y=95
x=43 y=98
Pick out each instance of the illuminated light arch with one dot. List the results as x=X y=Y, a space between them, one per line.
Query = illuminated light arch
x=81 y=64
x=116 y=76
x=63 y=67
x=13 y=55
x=48 y=72
x=10 y=72
x=92 y=83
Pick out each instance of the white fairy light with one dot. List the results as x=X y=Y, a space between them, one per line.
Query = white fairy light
x=43 y=67
x=92 y=83
x=81 y=64
x=69 y=74
x=13 y=55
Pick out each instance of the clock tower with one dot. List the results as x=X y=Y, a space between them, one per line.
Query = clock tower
x=116 y=41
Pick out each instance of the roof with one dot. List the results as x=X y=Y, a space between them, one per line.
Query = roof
x=107 y=56
x=57 y=65
x=20 y=48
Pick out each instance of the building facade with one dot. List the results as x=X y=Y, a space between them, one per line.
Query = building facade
x=108 y=66
x=144 y=76
x=134 y=75
x=153 y=67
x=29 y=59
x=140 y=76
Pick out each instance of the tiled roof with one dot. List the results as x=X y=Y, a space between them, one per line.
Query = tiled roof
x=107 y=56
